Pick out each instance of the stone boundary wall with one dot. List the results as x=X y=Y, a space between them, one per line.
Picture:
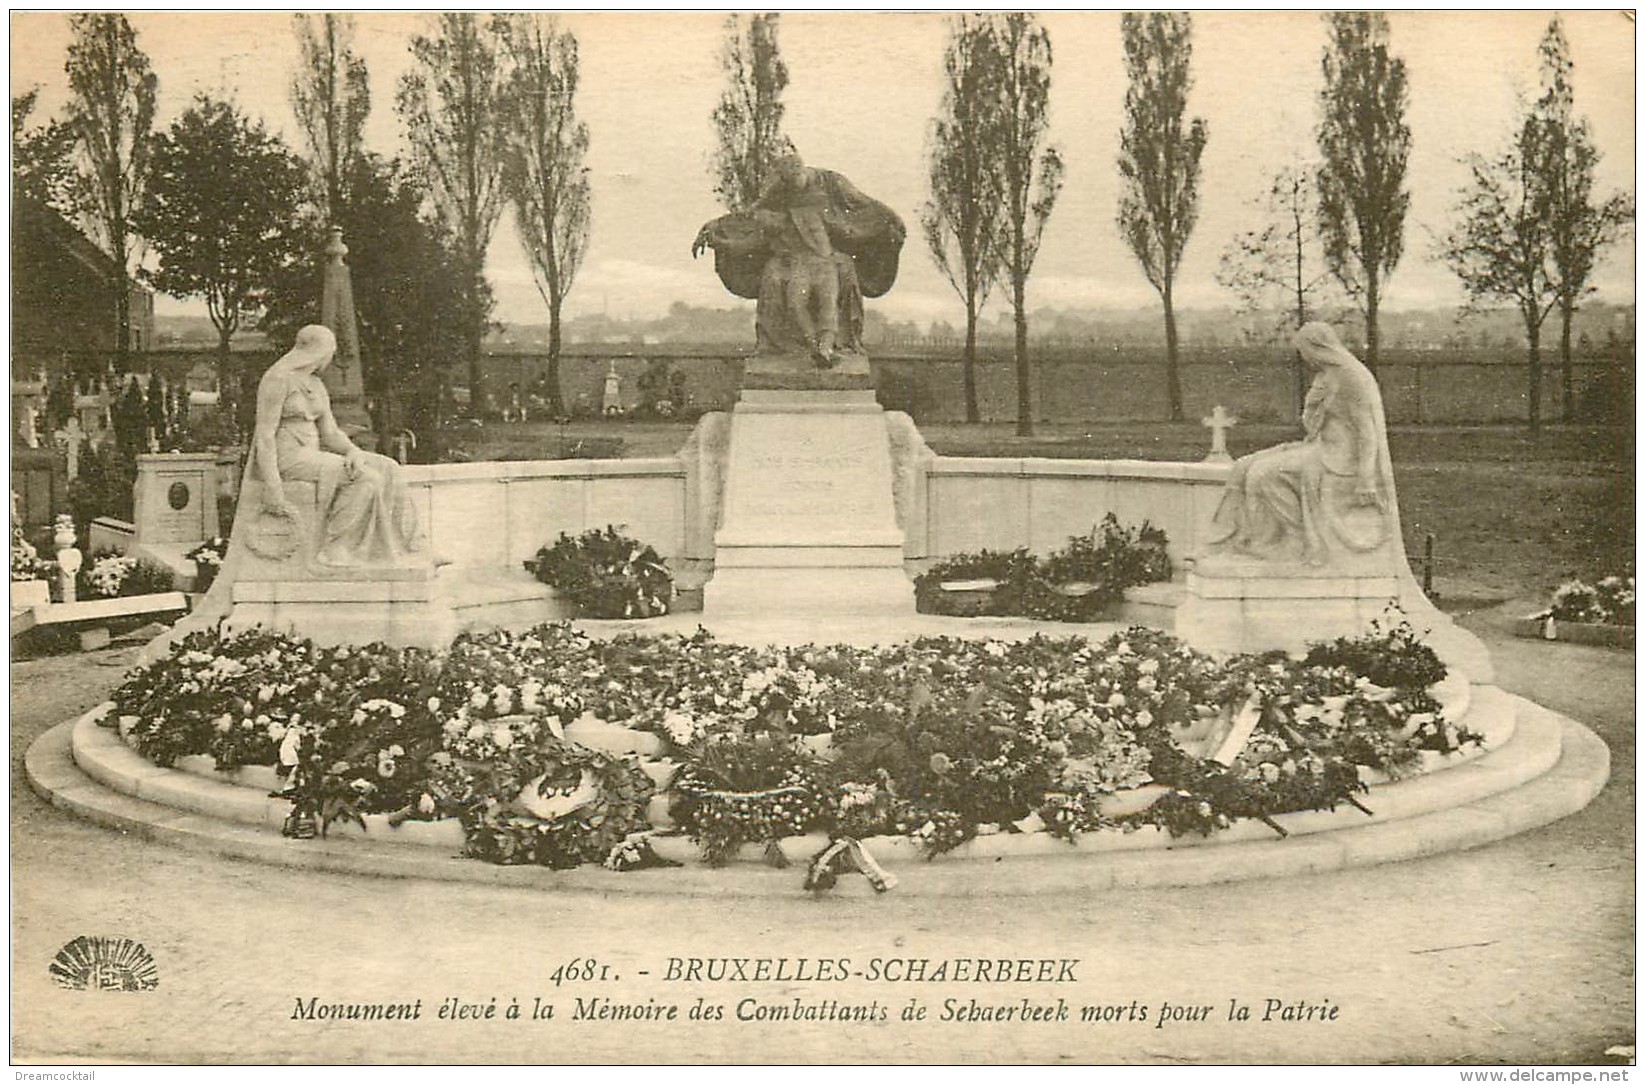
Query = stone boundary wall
x=497 y=514
x=494 y=515
x=1075 y=383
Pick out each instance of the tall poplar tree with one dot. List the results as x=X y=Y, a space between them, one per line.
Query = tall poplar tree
x=1580 y=226
x=1159 y=160
x=1031 y=174
x=546 y=176
x=331 y=96
x=112 y=90
x=1364 y=145
x=748 y=120
x=458 y=113
x=960 y=220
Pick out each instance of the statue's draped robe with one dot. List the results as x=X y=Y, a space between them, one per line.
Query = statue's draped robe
x=1307 y=499
x=363 y=523
x=828 y=219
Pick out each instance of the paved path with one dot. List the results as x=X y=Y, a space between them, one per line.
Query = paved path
x=1521 y=952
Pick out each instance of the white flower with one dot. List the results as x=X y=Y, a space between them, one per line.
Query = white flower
x=425 y=804
x=1148 y=666
x=290 y=746
x=1269 y=771
x=994 y=648
x=502 y=736
x=1145 y=718
x=434 y=704
x=223 y=724
x=1116 y=699
x=477 y=700
x=1146 y=684
x=476 y=732
x=681 y=730
x=502 y=699
x=265 y=694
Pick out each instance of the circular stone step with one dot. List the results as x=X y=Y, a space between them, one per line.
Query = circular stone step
x=1550 y=768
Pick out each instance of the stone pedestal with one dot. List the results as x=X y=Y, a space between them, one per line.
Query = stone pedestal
x=1256 y=606
x=176 y=498
x=808 y=522
x=175 y=509
x=402 y=607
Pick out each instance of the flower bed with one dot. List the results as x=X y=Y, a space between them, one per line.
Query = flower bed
x=938 y=739
x=1601 y=613
x=115 y=576
x=1078 y=583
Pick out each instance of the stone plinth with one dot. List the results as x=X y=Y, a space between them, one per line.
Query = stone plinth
x=1256 y=606
x=407 y=610
x=175 y=509
x=176 y=498
x=809 y=523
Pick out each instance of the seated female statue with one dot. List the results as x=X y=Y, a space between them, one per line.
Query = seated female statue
x=364 y=515
x=1330 y=496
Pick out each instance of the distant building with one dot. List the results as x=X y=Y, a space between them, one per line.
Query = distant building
x=63 y=297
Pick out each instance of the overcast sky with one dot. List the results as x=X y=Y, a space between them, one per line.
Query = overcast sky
x=862 y=93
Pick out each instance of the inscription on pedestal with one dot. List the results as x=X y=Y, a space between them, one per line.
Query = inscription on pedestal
x=809 y=515
x=799 y=478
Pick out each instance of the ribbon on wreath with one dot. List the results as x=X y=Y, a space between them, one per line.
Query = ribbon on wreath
x=842 y=855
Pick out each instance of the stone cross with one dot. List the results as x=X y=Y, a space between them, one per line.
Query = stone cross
x=73 y=436
x=612 y=400
x=403 y=443
x=1219 y=423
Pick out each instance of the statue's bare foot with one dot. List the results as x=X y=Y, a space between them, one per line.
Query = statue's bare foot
x=825 y=359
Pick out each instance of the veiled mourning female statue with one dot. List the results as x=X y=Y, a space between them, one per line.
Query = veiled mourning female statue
x=809 y=250
x=360 y=515
x=1329 y=498
x=312 y=505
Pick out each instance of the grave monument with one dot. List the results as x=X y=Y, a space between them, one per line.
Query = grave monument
x=807 y=521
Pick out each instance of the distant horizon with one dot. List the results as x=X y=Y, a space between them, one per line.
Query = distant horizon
x=864 y=88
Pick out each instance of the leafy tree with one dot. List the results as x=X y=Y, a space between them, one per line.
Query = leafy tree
x=1579 y=229
x=1279 y=264
x=1159 y=160
x=1501 y=248
x=458 y=114
x=222 y=213
x=1030 y=170
x=546 y=178
x=1364 y=144
x=408 y=295
x=42 y=157
x=331 y=96
x=748 y=119
x=112 y=90
x=961 y=220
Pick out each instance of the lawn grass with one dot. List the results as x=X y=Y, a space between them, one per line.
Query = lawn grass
x=1511 y=516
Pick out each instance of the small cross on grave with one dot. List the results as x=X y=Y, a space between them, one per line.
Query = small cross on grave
x=1219 y=423
x=69 y=439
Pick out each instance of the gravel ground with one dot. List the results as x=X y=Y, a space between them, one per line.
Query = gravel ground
x=1520 y=952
